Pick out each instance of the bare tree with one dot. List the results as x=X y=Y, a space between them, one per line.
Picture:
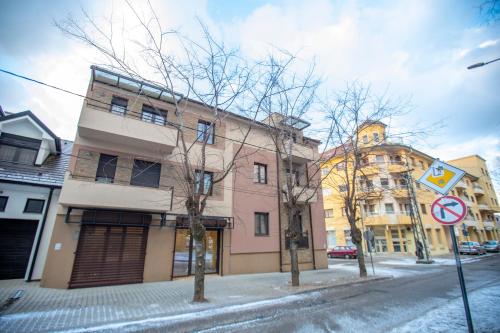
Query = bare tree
x=350 y=111
x=293 y=98
x=200 y=72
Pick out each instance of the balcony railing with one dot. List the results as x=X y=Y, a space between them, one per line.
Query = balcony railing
x=300 y=153
x=303 y=194
x=125 y=131
x=483 y=207
x=303 y=241
x=84 y=193
x=489 y=224
x=461 y=184
x=478 y=189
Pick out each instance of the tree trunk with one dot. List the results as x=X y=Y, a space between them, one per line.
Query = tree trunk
x=199 y=272
x=198 y=233
x=294 y=262
x=357 y=239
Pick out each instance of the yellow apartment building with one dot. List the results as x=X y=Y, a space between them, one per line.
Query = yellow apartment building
x=384 y=194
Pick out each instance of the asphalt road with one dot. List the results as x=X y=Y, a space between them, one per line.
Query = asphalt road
x=371 y=307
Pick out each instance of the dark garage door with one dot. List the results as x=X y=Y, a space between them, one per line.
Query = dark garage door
x=109 y=255
x=16 y=241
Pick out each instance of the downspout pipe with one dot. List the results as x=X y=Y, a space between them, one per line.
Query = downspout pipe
x=39 y=238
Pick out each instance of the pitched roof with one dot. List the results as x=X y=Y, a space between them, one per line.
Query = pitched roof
x=37 y=121
x=50 y=173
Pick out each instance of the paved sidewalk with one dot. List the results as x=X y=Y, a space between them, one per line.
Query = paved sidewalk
x=51 y=310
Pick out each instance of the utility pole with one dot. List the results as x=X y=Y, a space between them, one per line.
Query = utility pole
x=416 y=219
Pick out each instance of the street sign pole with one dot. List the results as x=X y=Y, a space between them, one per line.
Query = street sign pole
x=461 y=279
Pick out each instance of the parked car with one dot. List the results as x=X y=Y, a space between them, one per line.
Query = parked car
x=491 y=246
x=348 y=252
x=471 y=248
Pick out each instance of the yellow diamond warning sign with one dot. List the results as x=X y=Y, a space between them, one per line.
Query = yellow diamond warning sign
x=441 y=177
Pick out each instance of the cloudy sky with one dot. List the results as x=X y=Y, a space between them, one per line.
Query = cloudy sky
x=417 y=49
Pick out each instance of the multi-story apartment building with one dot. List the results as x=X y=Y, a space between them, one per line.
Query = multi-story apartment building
x=32 y=164
x=122 y=217
x=483 y=193
x=385 y=206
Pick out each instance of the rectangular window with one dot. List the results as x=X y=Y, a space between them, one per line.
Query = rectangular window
x=3 y=203
x=421 y=164
x=348 y=238
x=341 y=166
x=379 y=158
x=342 y=188
x=369 y=209
x=260 y=173
x=261 y=224
x=328 y=212
x=417 y=184
x=327 y=192
x=206 y=180
x=325 y=172
x=423 y=208
x=118 y=105
x=343 y=211
x=205 y=131
x=145 y=173
x=384 y=182
x=152 y=115
x=34 y=206
x=365 y=138
x=364 y=161
x=331 y=238
x=412 y=161
x=375 y=137
x=18 y=149
x=106 y=168
x=389 y=208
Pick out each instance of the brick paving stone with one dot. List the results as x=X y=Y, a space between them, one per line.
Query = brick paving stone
x=52 y=310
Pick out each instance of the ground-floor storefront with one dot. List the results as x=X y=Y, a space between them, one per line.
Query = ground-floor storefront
x=96 y=247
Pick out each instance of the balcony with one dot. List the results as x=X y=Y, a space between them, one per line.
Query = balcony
x=470 y=222
x=300 y=153
x=483 y=207
x=303 y=242
x=126 y=132
x=466 y=200
x=304 y=194
x=400 y=191
x=87 y=194
x=488 y=225
x=396 y=167
x=370 y=169
x=404 y=218
x=478 y=190
x=461 y=184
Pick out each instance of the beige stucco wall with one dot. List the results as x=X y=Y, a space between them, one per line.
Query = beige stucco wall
x=245 y=263
x=159 y=254
x=59 y=263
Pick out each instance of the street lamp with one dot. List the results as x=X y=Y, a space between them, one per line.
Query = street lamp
x=481 y=64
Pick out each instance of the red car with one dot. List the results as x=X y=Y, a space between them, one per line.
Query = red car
x=348 y=252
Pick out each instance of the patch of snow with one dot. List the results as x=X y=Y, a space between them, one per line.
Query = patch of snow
x=154 y=322
x=437 y=261
x=381 y=271
x=450 y=317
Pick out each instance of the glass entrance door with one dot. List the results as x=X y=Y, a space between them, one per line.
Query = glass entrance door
x=185 y=256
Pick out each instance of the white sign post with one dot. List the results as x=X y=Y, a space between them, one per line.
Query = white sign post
x=449 y=210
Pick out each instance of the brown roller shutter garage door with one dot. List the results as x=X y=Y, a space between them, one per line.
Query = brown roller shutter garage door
x=109 y=255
